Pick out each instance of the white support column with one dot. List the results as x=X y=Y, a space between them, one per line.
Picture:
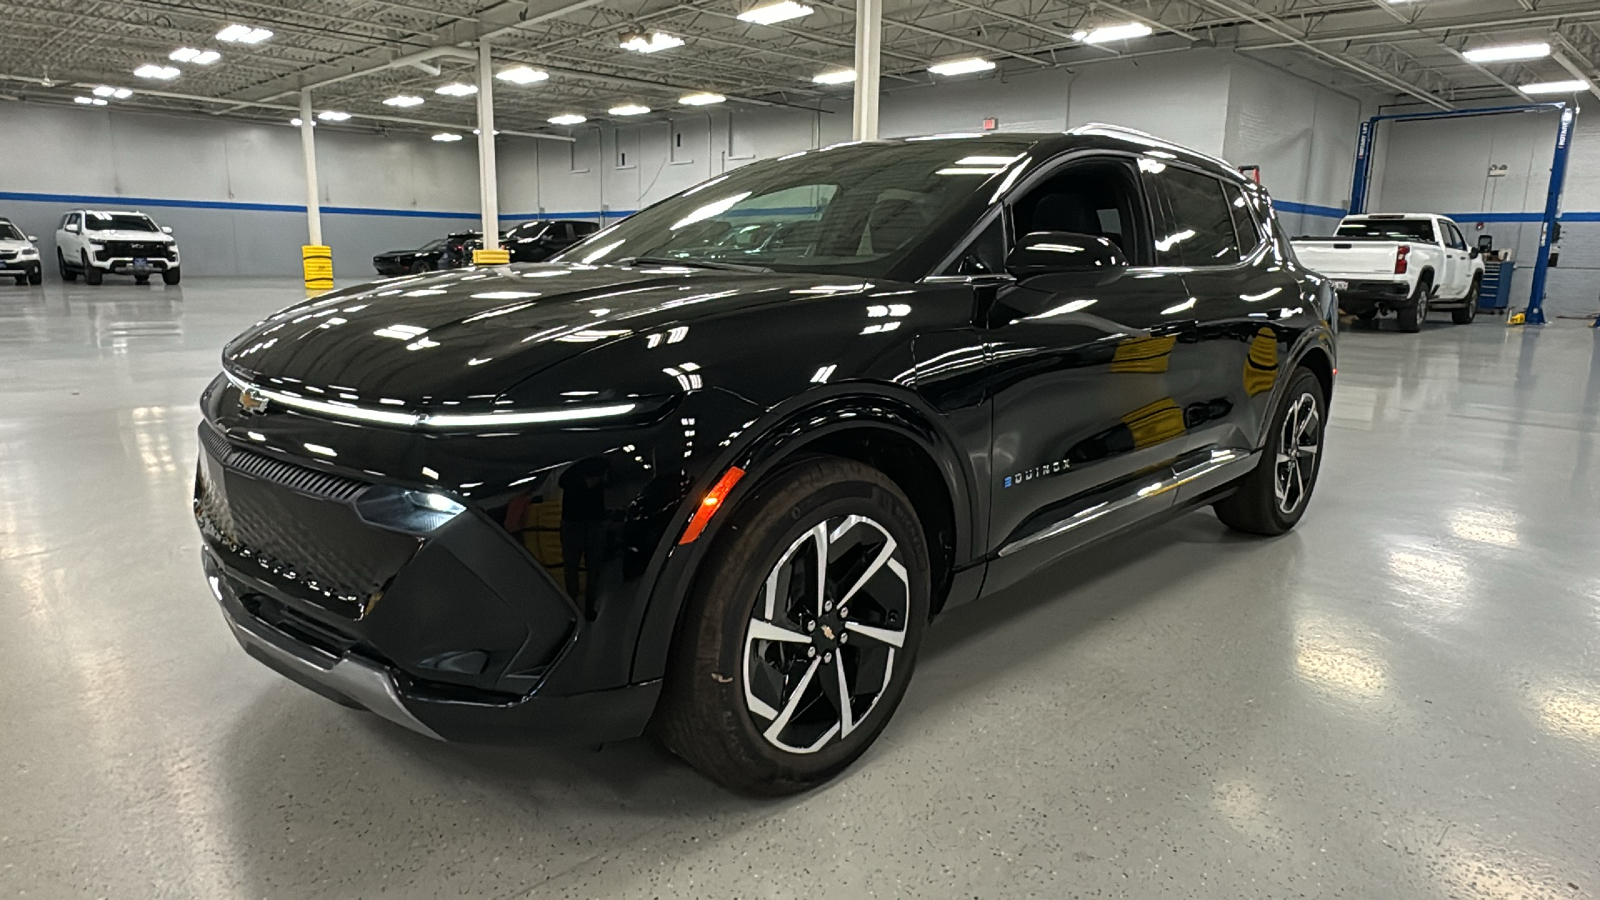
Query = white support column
x=869 y=63
x=308 y=147
x=488 y=181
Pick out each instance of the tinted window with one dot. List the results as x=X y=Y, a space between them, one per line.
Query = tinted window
x=120 y=222
x=1245 y=227
x=871 y=207
x=584 y=228
x=985 y=255
x=1387 y=229
x=1456 y=240
x=1098 y=198
x=9 y=232
x=1202 y=219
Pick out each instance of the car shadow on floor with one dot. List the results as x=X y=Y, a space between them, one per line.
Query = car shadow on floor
x=330 y=800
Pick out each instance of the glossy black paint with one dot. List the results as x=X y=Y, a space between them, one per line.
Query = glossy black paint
x=405 y=262
x=999 y=403
x=537 y=241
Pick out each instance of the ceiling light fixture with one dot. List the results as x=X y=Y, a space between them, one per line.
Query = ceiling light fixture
x=89 y=101
x=1106 y=33
x=1508 y=52
x=837 y=76
x=456 y=89
x=523 y=75
x=191 y=55
x=296 y=122
x=702 y=99
x=333 y=115
x=1555 y=87
x=404 y=101
x=773 y=13
x=628 y=109
x=656 y=42
x=115 y=93
x=446 y=137
x=243 y=34
x=961 y=66
x=568 y=119
x=158 y=73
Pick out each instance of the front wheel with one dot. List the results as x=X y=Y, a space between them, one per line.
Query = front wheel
x=91 y=275
x=801 y=635
x=1273 y=497
x=22 y=279
x=36 y=275
x=1466 y=314
x=172 y=275
x=66 y=273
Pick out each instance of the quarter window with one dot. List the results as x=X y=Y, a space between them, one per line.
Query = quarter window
x=1245 y=228
x=1202 y=219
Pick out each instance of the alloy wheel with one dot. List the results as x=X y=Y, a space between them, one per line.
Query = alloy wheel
x=820 y=648
x=1299 y=441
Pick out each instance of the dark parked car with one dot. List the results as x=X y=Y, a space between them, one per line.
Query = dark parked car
x=723 y=500
x=410 y=262
x=458 y=247
x=538 y=241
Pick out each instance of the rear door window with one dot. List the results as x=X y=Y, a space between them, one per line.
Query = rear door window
x=1202 y=219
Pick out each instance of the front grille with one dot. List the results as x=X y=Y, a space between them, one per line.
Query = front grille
x=146 y=249
x=290 y=475
x=8 y=254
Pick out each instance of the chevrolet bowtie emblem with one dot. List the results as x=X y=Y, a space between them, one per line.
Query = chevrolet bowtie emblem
x=253 y=401
x=827 y=632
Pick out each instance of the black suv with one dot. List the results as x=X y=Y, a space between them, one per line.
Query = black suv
x=538 y=241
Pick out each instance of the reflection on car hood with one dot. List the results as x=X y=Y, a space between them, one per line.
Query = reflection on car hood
x=463 y=337
x=7 y=244
x=148 y=237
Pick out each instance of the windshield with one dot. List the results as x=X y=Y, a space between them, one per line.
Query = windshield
x=1388 y=229
x=99 y=221
x=9 y=232
x=856 y=209
x=429 y=247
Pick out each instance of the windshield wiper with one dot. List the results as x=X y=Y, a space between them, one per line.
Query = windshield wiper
x=692 y=263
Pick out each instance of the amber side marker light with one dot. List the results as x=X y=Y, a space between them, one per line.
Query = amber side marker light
x=710 y=505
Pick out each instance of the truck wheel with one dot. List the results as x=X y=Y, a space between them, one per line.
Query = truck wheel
x=1466 y=314
x=1416 y=312
x=172 y=275
x=1273 y=497
x=91 y=275
x=66 y=273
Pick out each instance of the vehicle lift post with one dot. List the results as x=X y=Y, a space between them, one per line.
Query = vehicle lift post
x=1552 y=204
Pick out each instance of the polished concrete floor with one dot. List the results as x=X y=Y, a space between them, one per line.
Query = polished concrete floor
x=1400 y=699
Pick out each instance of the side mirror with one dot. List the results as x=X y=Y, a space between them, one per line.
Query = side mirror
x=34 y=238
x=72 y=228
x=1063 y=252
x=166 y=229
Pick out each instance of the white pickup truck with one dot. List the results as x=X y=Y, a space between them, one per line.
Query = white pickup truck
x=1404 y=263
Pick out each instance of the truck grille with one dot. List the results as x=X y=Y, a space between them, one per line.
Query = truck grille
x=135 y=249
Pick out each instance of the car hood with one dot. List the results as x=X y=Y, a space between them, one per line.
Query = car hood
x=148 y=237
x=15 y=245
x=462 y=338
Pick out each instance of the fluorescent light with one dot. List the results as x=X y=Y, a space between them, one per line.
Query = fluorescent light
x=333 y=115
x=1508 y=52
x=655 y=42
x=445 y=137
x=962 y=66
x=703 y=99
x=159 y=73
x=628 y=109
x=837 y=76
x=773 y=13
x=297 y=123
x=523 y=75
x=243 y=34
x=1555 y=87
x=104 y=90
x=207 y=57
x=404 y=101
x=456 y=89
x=121 y=94
x=480 y=131
x=568 y=119
x=1114 y=33
x=89 y=101
x=191 y=55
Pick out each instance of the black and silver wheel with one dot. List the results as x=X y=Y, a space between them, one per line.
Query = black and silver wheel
x=61 y=264
x=1413 y=314
x=420 y=267
x=1273 y=497
x=91 y=275
x=1466 y=314
x=800 y=639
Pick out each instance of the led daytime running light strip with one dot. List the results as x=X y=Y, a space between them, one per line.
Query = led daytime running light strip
x=436 y=420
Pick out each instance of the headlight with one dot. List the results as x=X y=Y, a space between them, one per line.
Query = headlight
x=28 y=252
x=438 y=503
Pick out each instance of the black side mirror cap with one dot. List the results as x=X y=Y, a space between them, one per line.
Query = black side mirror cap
x=1063 y=252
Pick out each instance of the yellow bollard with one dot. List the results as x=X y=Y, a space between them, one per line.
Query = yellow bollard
x=317 y=261
x=491 y=257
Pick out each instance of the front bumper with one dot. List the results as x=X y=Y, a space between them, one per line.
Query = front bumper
x=444 y=627
x=18 y=266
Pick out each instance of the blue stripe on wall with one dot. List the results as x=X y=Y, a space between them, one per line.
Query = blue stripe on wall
x=1308 y=209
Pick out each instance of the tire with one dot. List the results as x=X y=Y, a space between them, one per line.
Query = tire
x=91 y=275
x=419 y=268
x=22 y=280
x=36 y=275
x=1416 y=312
x=1466 y=314
x=141 y=279
x=761 y=715
x=66 y=273
x=172 y=276
x=1273 y=497
x=1368 y=317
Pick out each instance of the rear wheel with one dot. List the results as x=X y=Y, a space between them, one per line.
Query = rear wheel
x=61 y=263
x=800 y=639
x=1273 y=497
x=1466 y=314
x=1416 y=312
x=91 y=275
